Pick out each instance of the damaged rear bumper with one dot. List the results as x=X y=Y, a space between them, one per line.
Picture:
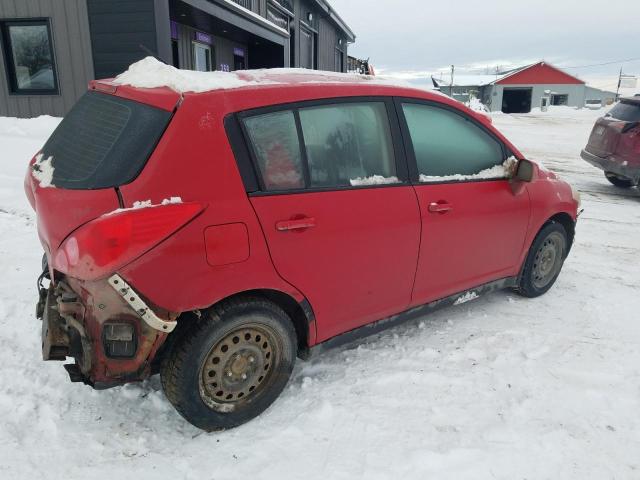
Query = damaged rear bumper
x=112 y=333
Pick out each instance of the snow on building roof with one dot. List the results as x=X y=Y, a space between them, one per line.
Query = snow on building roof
x=152 y=73
x=467 y=80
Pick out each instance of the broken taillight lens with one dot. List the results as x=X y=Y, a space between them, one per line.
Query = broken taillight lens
x=107 y=243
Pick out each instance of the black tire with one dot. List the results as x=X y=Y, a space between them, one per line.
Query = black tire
x=618 y=181
x=231 y=364
x=544 y=261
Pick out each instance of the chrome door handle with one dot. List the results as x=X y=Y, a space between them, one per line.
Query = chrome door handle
x=298 y=224
x=440 y=207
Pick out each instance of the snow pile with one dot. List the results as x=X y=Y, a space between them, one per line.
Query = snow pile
x=476 y=105
x=505 y=170
x=139 y=204
x=373 y=180
x=151 y=73
x=42 y=170
x=171 y=200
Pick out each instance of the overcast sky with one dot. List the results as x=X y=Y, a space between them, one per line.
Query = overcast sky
x=426 y=35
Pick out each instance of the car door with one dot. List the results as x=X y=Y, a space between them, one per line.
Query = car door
x=340 y=219
x=473 y=221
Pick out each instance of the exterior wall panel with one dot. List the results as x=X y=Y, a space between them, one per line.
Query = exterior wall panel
x=120 y=32
x=72 y=56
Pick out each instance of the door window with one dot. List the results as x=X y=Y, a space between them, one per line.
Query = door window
x=449 y=146
x=348 y=144
x=201 y=57
x=274 y=138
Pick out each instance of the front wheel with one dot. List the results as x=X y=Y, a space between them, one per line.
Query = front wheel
x=618 y=181
x=231 y=365
x=544 y=261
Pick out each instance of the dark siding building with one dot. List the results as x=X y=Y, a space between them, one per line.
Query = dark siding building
x=50 y=49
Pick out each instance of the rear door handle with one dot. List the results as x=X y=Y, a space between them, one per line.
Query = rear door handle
x=440 y=207
x=297 y=224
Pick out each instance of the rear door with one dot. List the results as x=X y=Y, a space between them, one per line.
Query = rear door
x=473 y=222
x=339 y=216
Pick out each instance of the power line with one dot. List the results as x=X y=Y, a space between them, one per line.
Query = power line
x=606 y=63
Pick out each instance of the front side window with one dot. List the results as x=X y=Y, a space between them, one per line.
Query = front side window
x=449 y=146
x=29 y=57
x=348 y=144
x=275 y=143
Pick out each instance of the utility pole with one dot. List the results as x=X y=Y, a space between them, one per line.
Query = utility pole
x=619 y=82
x=453 y=68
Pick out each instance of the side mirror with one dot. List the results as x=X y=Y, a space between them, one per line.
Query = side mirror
x=524 y=173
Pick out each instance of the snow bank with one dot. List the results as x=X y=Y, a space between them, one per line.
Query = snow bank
x=504 y=170
x=151 y=73
x=373 y=180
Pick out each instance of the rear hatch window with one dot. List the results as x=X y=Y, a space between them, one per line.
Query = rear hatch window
x=626 y=111
x=104 y=141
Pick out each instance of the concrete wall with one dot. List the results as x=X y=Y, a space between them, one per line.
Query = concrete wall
x=72 y=56
x=576 y=94
x=605 y=97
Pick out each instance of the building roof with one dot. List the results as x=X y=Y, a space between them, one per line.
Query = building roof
x=328 y=9
x=535 y=74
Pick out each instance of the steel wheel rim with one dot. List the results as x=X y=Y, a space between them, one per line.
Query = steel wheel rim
x=548 y=260
x=239 y=366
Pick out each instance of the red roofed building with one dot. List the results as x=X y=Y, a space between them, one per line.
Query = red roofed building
x=518 y=91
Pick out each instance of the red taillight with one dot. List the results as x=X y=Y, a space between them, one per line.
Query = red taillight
x=106 y=244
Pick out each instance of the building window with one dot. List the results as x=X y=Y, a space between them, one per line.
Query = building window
x=28 y=53
x=560 y=99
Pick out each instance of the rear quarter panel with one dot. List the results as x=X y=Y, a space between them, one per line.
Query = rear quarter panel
x=194 y=161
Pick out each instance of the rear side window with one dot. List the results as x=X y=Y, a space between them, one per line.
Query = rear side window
x=449 y=145
x=104 y=141
x=348 y=144
x=627 y=112
x=274 y=137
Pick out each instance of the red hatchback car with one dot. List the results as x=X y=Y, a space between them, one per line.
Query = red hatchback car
x=614 y=144
x=213 y=237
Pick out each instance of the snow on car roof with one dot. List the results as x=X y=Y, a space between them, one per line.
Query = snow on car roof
x=152 y=73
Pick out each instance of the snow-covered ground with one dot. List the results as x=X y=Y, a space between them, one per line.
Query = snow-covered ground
x=498 y=388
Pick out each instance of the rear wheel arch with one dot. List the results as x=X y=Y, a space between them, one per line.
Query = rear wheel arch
x=301 y=315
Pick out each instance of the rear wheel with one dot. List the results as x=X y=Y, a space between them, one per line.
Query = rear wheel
x=619 y=181
x=544 y=261
x=231 y=365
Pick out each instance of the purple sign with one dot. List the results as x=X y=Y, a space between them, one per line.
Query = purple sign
x=204 y=38
x=238 y=52
x=174 y=30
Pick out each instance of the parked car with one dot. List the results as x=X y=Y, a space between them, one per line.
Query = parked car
x=214 y=237
x=614 y=144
